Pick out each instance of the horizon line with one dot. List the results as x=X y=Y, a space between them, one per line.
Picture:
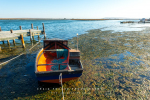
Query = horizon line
x=106 y=18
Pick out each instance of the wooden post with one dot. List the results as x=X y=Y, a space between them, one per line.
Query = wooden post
x=32 y=26
x=14 y=42
x=33 y=37
x=43 y=27
x=0 y=29
x=30 y=35
x=22 y=40
x=45 y=36
x=20 y=27
x=38 y=37
x=11 y=31
x=77 y=41
x=44 y=31
x=8 y=42
x=37 y=28
x=0 y=49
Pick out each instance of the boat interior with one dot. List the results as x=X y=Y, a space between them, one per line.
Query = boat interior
x=56 y=55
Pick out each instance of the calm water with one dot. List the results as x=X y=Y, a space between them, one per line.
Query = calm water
x=66 y=29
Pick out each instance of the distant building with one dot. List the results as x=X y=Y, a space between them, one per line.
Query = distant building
x=148 y=19
x=142 y=20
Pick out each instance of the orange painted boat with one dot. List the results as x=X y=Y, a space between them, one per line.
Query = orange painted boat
x=55 y=58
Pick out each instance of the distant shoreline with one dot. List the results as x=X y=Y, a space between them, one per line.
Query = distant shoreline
x=59 y=19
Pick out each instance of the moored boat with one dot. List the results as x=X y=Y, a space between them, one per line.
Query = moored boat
x=57 y=58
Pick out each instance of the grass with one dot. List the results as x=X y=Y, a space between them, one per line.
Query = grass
x=116 y=66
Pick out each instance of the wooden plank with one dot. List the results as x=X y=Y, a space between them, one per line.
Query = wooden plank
x=7 y=35
x=0 y=29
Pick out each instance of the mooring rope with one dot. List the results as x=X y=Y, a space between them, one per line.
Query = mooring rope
x=11 y=59
x=60 y=80
x=21 y=53
x=36 y=43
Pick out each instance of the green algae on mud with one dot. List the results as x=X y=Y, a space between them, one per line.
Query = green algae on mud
x=116 y=66
x=118 y=74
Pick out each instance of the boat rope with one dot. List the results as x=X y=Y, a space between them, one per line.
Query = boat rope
x=60 y=80
x=11 y=59
x=21 y=53
x=36 y=43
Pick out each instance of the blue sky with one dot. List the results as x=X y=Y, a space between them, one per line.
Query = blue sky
x=74 y=8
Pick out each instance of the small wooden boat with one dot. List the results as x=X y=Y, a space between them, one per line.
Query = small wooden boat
x=55 y=58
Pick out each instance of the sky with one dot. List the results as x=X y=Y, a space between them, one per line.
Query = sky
x=74 y=8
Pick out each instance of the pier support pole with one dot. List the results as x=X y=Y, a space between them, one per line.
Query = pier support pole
x=44 y=35
x=37 y=28
x=30 y=35
x=77 y=41
x=22 y=40
x=33 y=37
x=38 y=37
x=0 y=49
x=11 y=31
x=8 y=43
x=43 y=27
x=32 y=26
x=14 y=42
x=3 y=42
x=20 y=27
x=0 y=29
x=44 y=31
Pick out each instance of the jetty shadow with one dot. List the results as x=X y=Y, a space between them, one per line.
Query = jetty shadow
x=18 y=80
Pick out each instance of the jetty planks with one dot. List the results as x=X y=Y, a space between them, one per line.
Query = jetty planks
x=7 y=35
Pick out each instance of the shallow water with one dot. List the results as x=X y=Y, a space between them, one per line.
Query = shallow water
x=66 y=29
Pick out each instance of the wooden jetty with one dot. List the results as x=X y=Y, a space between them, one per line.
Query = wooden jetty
x=19 y=34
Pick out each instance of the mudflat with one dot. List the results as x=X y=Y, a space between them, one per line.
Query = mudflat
x=116 y=66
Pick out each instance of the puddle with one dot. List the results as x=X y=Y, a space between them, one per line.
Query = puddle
x=117 y=58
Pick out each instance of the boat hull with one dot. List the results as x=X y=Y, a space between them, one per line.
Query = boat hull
x=56 y=59
x=53 y=77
